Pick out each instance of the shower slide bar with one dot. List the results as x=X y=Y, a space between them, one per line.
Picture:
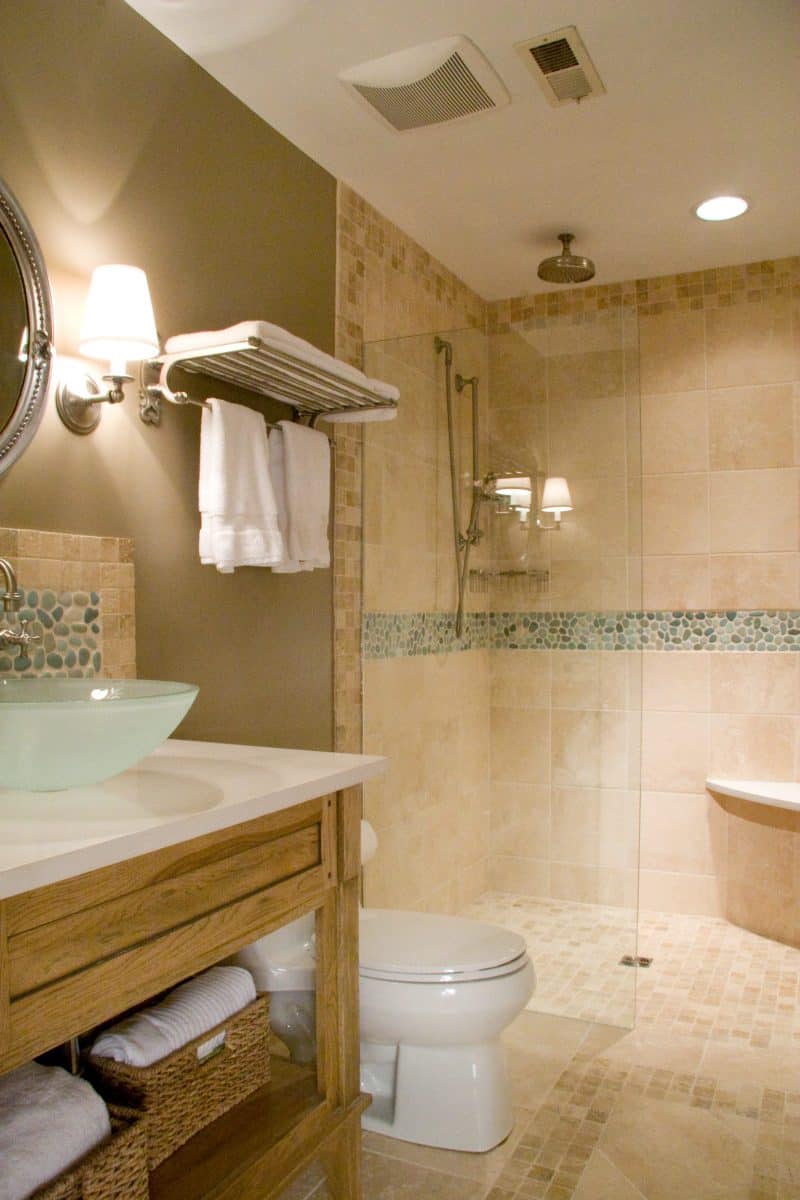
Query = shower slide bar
x=462 y=542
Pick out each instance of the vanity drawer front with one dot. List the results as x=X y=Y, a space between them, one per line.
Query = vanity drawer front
x=184 y=909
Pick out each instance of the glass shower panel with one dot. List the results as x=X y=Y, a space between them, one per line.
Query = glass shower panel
x=513 y=793
x=566 y=658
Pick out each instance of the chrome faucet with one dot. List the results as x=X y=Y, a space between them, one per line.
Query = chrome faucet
x=12 y=599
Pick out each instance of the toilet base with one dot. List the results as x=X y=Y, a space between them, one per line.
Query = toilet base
x=453 y=1097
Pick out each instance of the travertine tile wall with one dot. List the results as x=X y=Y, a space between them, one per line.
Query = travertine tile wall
x=719 y=355
x=429 y=715
x=67 y=577
x=718 y=485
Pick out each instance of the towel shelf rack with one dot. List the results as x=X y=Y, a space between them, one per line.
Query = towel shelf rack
x=252 y=364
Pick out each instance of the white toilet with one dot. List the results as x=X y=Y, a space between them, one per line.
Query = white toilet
x=436 y=993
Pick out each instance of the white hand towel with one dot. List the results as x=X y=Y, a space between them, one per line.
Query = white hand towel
x=185 y=1014
x=288 y=566
x=49 y=1120
x=238 y=512
x=302 y=458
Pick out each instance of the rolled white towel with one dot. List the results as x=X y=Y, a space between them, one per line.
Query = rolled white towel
x=185 y=1014
x=49 y=1121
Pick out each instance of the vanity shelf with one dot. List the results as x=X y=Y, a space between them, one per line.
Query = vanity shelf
x=313 y=383
x=250 y=1150
x=771 y=793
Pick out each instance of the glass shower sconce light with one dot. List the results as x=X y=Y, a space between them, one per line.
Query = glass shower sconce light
x=556 y=499
x=119 y=326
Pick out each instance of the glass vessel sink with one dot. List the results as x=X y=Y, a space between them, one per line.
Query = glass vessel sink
x=61 y=733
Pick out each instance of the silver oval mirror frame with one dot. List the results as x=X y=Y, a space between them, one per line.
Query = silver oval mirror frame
x=28 y=407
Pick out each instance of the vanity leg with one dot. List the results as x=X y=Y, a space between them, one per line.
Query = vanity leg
x=341 y=1160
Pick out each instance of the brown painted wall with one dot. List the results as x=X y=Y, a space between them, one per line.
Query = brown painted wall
x=120 y=148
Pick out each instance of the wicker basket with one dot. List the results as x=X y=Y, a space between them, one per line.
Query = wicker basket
x=116 y=1170
x=185 y=1091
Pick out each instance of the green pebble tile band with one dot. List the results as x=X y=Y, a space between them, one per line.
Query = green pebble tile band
x=401 y=635
x=69 y=624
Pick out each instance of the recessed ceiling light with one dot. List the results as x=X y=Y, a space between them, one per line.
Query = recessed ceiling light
x=721 y=208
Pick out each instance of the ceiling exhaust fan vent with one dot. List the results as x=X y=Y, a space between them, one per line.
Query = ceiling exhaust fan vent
x=426 y=85
x=561 y=65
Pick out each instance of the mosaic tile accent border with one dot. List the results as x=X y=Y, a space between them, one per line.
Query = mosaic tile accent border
x=404 y=635
x=396 y=635
x=69 y=626
x=720 y=287
x=80 y=590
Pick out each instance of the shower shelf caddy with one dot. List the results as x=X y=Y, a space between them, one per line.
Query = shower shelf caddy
x=253 y=364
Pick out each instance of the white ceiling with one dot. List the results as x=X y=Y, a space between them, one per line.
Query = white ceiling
x=703 y=97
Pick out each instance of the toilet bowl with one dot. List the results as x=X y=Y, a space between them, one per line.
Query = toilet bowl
x=436 y=993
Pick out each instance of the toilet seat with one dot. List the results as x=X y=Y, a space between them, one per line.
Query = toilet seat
x=415 y=947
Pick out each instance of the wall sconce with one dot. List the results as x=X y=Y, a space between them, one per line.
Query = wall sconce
x=119 y=326
x=514 y=493
x=556 y=500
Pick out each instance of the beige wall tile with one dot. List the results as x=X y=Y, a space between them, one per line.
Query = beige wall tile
x=587 y=437
x=751 y=427
x=676 y=519
x=674 y=432
x=575 y=825
x=520 y=745
x=618 y=828
x=672 y=351
x=663 y=891
x=520 y=820
x=520 y=678
x=677 y=682
x=754 y=511
x=676 y=581
x=574 y=881
x=754 y=580
x=588 y=679
x=585 y=374
x=524 y=876
x=754 y=683
x=750 y=342
x=751 y=746
x=684 y=834
x=576 y=748
x=674 y=751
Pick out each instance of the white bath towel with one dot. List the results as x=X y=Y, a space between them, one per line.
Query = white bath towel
x=238 y=512
x=301 y=457
x=49 y=1120
x=360 y=416
x=185 y=1014
x=285 y=343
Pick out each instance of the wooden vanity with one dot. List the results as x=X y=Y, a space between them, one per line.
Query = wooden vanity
x=83 y=947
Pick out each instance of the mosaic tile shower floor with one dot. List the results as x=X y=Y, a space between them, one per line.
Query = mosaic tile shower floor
x=701 y=1101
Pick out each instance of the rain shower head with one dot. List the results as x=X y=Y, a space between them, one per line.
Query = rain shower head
x=566 y=267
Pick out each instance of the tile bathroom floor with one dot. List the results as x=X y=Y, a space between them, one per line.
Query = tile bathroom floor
x=701 y=1101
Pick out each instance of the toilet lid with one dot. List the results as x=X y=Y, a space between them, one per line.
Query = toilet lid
x=428 y=947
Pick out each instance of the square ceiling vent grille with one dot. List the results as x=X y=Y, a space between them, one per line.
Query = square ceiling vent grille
x=440 y=81
x=561 y=65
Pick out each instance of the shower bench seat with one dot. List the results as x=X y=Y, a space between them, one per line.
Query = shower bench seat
x=774 y=794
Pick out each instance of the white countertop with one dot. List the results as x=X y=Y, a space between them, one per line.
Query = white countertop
x=776 y=794
x=181 y=791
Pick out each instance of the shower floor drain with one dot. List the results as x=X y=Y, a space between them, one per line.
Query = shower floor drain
x=631 y=960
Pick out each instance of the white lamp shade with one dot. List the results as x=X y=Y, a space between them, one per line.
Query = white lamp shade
x=517 y=488
x=555 y=496
x=118 y=323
